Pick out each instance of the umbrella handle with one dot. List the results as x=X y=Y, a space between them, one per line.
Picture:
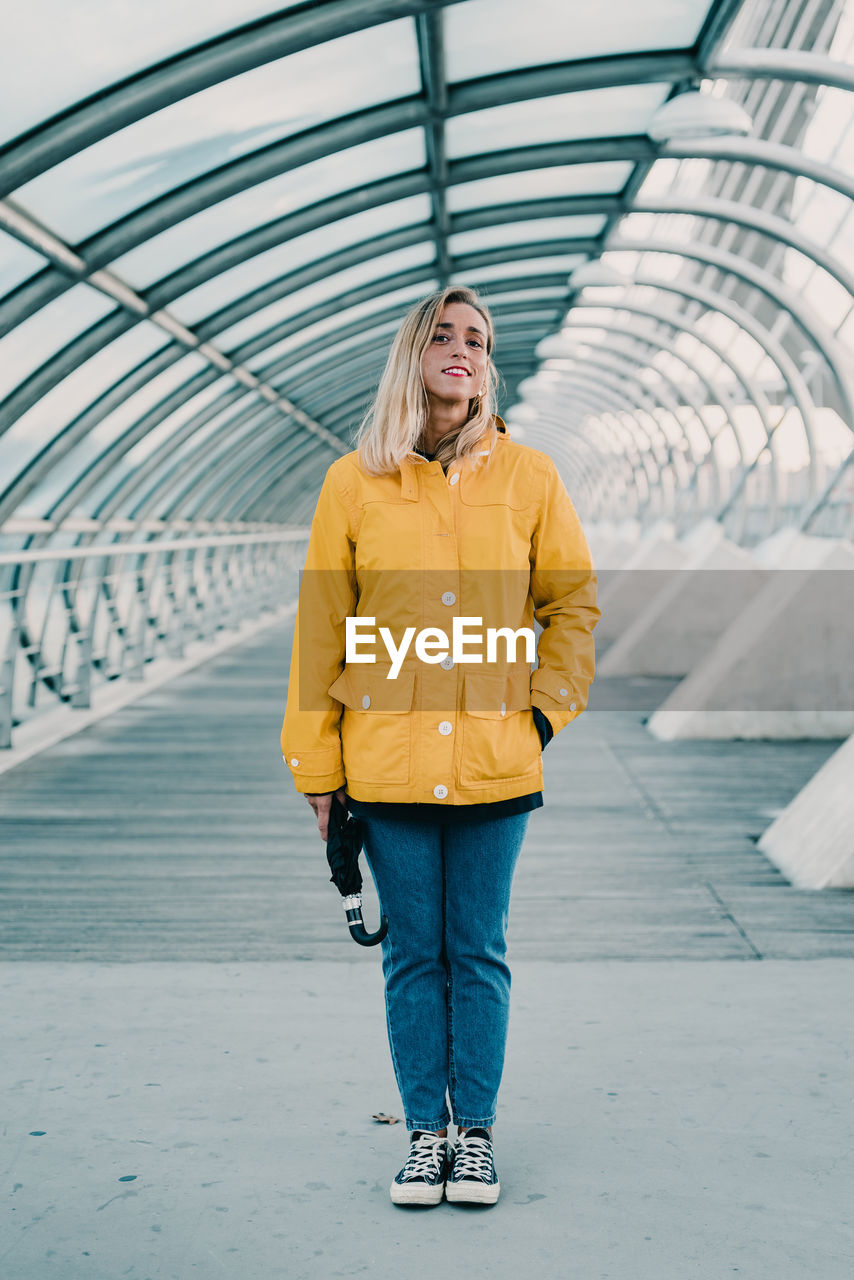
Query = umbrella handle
x=353 y=910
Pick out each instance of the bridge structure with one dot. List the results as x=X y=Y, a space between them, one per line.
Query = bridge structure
x=212 y=221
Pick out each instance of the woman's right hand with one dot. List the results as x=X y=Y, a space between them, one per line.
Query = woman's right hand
x=321 y=803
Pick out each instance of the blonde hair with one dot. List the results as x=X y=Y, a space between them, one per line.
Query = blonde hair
x=395 y=422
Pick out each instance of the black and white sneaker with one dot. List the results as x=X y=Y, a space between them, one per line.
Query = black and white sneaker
x=472 y=1179
x=422 y=1178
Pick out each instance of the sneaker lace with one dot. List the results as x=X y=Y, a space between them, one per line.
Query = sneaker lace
x=425 y=1156
x=473 y=1158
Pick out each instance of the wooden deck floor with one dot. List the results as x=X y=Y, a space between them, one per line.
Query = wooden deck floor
x=172 y=831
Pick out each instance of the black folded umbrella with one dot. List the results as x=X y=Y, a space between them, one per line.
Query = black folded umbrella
x=343 y=847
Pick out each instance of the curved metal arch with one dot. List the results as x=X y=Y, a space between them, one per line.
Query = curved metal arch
x=371 y=123
x=54 y=450
x=260 y=239
x=634 y=150
x=642 y=492
x=674 y=487
x=253 y=497
x=754 y=219
x=209 y=494
x=717 y=394
x=744 y=380
x=776 y=291
x=97 y=469
x=781 y=64
x=681 y=324
x=603 y=382
x=638 y=458
x=625 y=364
x=131 y=488
x=211 y=326
x=788 y=369
x=647 y=440
x=602 y=480
x=771 y=155
x=235 y=53
x=57 y=367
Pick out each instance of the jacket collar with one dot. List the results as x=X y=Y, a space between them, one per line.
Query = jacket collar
x=408 y=467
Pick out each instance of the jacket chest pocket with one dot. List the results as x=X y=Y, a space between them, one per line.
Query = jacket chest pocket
x=376 y=723
x=500 y=739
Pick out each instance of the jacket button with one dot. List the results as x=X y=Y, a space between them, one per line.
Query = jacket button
x=447 y=663
x=366 y=701
x=440 y=792
x=573 y=705
x=446 y=727
x=448 y=597
x=454 y=478
x=295 y=762
x=504 y=708
x=563 y=693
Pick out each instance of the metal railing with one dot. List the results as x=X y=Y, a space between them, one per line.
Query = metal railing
x=72 y=618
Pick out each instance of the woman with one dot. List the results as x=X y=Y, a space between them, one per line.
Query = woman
x=438 y=521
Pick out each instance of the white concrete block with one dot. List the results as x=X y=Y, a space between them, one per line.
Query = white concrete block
x=790 y=549
x=812 y=840
x=782 y=668
x=626 y=591
x=682 y=622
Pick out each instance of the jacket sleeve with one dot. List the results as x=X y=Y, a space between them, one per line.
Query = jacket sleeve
x=563 y=589
x=310 y=736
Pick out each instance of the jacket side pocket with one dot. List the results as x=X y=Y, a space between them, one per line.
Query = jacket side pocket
x=376 y=723
x=500 y=739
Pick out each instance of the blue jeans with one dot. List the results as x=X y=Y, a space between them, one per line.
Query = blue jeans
x=446 y=892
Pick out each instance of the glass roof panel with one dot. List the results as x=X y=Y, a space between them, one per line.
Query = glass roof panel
x=515 y=270
x=25 y=348
x=513 y=233
x=505 y=300
x=519 y=35
x=299 y=252
x=374 y=269
x=341 y=319
x=17 y=263
x=110 y=41
x=53 y=412
x=539 y=184
x=590 y=113
x=229 y=120
x=107 y=431
x=279 y=196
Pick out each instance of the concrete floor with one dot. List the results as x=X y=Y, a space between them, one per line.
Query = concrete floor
x=193 y=1048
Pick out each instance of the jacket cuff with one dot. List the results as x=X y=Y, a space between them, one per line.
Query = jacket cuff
x=316 y=772
x=557 y=697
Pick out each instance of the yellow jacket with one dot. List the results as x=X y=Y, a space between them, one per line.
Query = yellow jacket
x=497 y=539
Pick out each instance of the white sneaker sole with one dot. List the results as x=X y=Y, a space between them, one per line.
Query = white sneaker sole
x=416 y=1193
x=472 y=1192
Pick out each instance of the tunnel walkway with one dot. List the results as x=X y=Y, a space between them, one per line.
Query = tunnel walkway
x=171 y=831
x=194 y=1049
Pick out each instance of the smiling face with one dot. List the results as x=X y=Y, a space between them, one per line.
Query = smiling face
x=455 y=362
